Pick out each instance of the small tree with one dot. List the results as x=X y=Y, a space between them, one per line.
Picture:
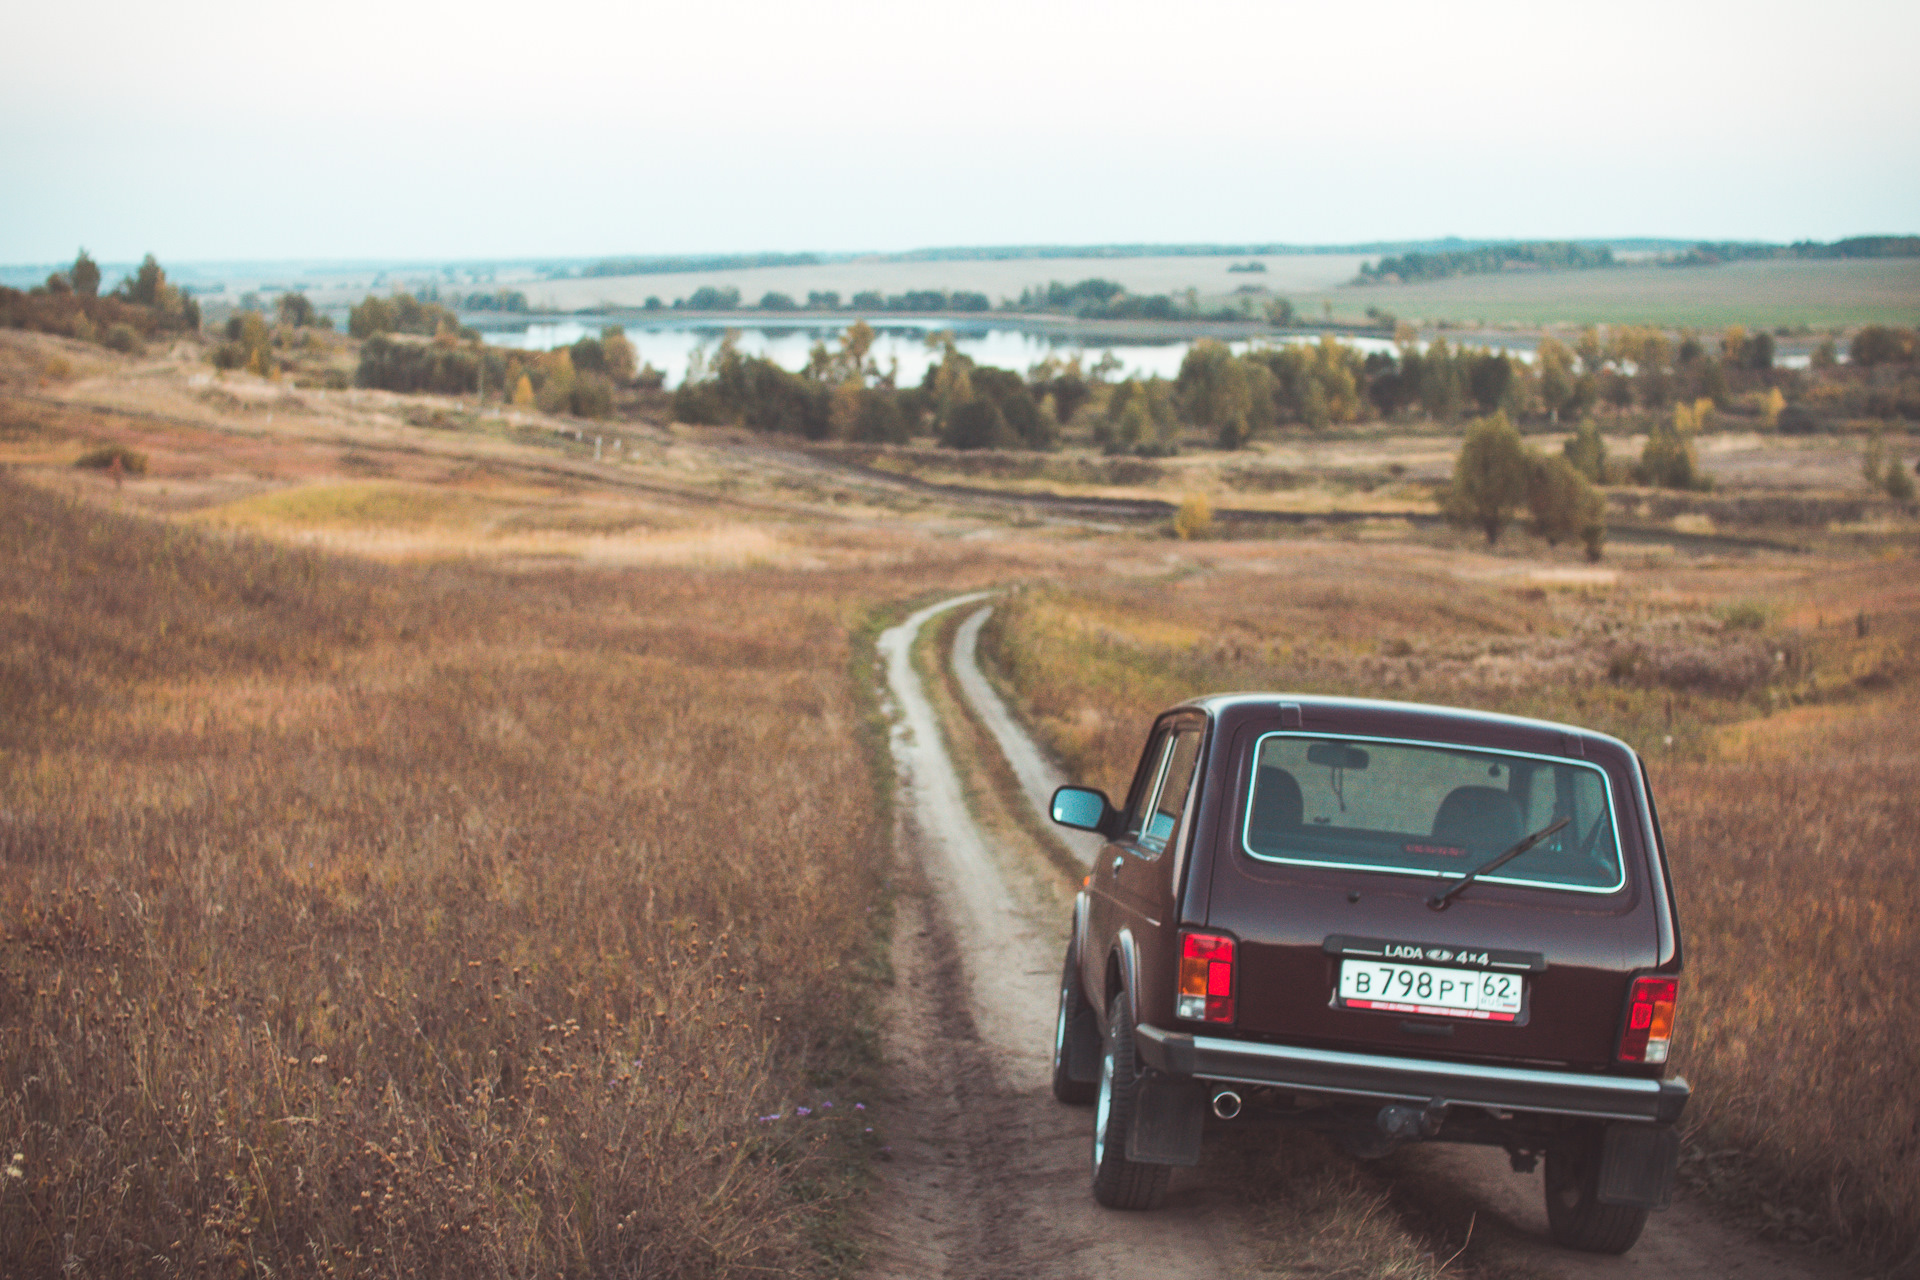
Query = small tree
x=1216 y=392
x=1489 y=477
x=1561 y=504
x=1873 y=460
x=144 y=287
x=1668 y=460
x=556 y=393
x=1899 y=482
x=85 y=275
x=1194 y=519
x=1558 y=386
x=296 y=310
x=623 y=360
x=523 y=393
x=1770 y=406
x=1587 y=451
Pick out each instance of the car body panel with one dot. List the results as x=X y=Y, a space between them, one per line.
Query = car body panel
x=1282 y=913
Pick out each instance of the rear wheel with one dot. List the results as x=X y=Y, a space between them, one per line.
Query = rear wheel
x=1074 y=1021
x=1120 y=1183
x=1575 y=1215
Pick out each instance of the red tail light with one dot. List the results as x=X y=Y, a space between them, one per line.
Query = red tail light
x=1648 y=1031
x=1206 y=978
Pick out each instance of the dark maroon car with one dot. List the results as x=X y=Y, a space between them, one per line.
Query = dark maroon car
x=1393 y=923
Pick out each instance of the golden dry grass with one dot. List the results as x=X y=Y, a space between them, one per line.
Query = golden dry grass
x=359 y=920
x=1791 y=834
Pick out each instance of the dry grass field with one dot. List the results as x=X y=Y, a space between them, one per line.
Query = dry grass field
x=1782 y=746
x=424 y=919
x=424 y=851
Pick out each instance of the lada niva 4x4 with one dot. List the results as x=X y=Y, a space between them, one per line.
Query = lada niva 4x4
x=1393 y=923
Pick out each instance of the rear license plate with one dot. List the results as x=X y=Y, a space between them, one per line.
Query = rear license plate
x=1427 y=989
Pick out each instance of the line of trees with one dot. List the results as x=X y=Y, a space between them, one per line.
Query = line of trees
x=1100 y=299
x=1540 y=255
x=727 y=298
x=404 y=313
x=1673 y=388
x=143 y=306
x=843 y=394
x=1710 y=253
x=1090 y=299
x=581 y=380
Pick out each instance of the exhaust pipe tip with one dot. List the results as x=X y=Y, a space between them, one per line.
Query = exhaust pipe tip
x=1226 y=1104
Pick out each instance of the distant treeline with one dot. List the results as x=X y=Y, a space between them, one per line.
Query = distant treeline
x=1234 y=397
x=1023 y=252
x=142 y=306
x=1540 y=255
x=666 y=265
x=727 y=298
x=1092 y=299
x=1708 y=253
x=509 y=300
x=1098 y=299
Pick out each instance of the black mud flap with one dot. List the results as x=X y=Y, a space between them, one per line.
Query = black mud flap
x=1637 y=1165
x=1169 y=1113
x=1083 y=1048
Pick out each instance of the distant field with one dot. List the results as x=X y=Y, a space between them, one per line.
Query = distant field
x=1819 y=293
x=1285 y=274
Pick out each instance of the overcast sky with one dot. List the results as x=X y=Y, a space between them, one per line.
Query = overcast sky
x=215 y=129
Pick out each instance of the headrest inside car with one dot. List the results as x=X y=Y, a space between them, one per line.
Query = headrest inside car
x=1482 y=820
x=1277 y=805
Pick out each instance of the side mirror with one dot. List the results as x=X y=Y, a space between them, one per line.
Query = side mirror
x=1084 y=808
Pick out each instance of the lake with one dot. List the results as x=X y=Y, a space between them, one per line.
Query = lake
x=669 y=344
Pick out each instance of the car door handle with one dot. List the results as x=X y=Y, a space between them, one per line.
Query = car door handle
x=1119 y=861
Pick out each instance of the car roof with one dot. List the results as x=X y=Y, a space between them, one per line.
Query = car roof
x=1219 y=703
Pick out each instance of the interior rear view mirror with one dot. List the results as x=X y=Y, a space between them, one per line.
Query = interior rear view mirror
x=1336 y=755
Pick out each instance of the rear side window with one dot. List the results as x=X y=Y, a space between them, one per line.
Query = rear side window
x=1430 y=810
x=1171 y=799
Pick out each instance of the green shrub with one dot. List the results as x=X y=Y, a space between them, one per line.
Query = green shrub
x=978 y=424
x=122 y=337
x=592 y=396
x=1194 y=519
x=1744 y=615
x=101 y=458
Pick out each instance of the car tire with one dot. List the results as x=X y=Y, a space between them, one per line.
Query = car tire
x=1076 y=1013
x=1120 y=1183
x=1575 y=1216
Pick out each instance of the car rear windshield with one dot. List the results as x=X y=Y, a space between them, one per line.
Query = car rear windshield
x=1430 y=810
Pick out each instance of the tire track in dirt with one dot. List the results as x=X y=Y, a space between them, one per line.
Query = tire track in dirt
x=989 y=1175
x=1683 y=1242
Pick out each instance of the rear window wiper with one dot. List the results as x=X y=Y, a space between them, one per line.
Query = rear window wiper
x=1439 y=900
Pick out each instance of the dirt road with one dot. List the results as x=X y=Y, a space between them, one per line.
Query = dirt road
x=989 y=1174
